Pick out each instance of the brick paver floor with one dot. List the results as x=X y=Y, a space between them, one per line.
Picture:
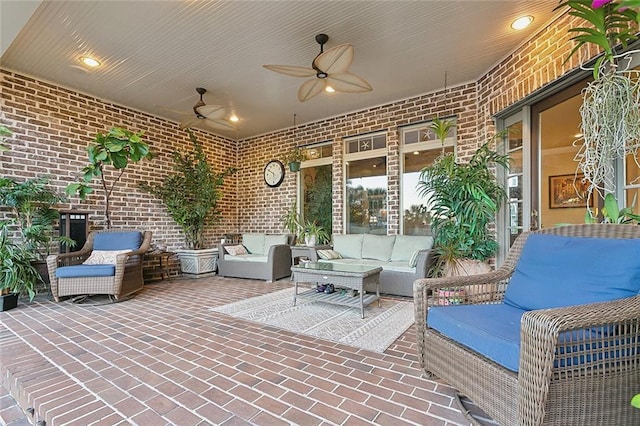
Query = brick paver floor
x=163 y=358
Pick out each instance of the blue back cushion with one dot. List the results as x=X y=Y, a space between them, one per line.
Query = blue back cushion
x=117 y=240
x=555 y=271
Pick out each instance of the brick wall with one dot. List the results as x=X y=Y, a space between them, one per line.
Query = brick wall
x=53 y=126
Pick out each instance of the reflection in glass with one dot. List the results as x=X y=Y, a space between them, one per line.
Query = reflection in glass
x=416 y=217
x=367 y=196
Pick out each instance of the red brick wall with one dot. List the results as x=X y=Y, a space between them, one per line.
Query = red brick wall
x=53 y=126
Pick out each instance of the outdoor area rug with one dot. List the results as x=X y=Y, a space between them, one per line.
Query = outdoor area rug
x=379 y=328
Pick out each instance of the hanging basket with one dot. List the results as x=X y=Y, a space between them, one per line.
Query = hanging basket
x=294 y=166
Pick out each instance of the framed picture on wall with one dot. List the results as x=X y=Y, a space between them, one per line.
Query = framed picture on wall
x=567 y=191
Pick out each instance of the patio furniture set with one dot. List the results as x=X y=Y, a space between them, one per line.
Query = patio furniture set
x=550 y=337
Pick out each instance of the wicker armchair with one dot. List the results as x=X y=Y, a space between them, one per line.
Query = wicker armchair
x=550 y=387
x=119 y=280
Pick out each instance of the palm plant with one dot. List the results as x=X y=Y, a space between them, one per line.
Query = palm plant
x=463 y=199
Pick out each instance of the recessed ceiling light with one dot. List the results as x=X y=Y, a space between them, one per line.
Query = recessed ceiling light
x=89 y=61
x=234 y=118
x=329 y=89
x=522 y=22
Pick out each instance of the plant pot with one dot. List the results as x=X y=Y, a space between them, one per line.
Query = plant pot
x=198 y=261
x=294 y=166
x=466 y=267
x=8 y=301
x=310 y=240
x=43 y=270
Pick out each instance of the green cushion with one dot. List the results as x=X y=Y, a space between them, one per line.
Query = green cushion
x=254 y=243
x=274 y=240
x=405 y=245
x=377 y=247
x=349 y=245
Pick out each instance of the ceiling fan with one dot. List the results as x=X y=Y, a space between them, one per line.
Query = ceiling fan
x=330 y=69
x=209 y=115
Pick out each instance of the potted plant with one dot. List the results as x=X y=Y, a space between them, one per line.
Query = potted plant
x=32 y=203
x=17 y=274
x=610 y=118
x=293 y=158
x=292 y=222
x=314 y=234
x=191 y=197
x=441 y=128
x=117 y=149
x=464 y=199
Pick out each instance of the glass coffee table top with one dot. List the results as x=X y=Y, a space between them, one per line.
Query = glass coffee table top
x=336 y=267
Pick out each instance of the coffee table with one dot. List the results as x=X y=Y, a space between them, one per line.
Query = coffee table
x=357 y=277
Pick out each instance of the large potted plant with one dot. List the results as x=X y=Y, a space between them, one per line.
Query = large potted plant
x=191 y=196
x=17 y=274
x=32 y=203
x=115 y=149
x=464 y=199
x=610 y=117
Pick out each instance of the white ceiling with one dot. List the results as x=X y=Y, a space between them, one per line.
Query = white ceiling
x=155 y=53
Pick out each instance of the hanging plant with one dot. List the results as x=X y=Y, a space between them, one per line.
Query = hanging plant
x=610 y=113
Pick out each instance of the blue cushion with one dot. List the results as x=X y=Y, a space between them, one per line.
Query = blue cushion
x=78 y=271
x=117 y=240
x=555 y=271
x=491 y=330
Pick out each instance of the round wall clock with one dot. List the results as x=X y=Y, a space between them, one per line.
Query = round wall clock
x=274 y=173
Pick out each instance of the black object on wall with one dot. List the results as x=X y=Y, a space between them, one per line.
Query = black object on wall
x=75 y=225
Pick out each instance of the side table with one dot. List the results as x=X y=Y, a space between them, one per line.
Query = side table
x=159 y=263
x=308 y=252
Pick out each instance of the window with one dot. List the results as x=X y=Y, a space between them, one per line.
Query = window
x=366 y=184
x=316 y=185
x=419 y=148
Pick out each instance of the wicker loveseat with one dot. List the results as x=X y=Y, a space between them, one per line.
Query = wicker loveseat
x=115 y=268
x=268 y=257
x=557 y=363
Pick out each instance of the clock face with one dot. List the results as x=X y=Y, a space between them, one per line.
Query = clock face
x=274 y=173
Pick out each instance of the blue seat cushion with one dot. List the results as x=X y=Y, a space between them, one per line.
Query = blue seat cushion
x=79 y=271
x=117 y=240
x=491 y=330
x=555 y=271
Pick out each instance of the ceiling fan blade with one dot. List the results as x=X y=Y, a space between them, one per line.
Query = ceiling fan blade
x=189 y=122
x=310 y=88
x=292 y=70
x=336 y=60
x=211 y=111
x=348 y=83
x=219 y=124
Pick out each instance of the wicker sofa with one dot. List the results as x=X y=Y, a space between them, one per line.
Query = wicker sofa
x=74 y=274
x=517 y=345
x=393 y=253
x=268 y=257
